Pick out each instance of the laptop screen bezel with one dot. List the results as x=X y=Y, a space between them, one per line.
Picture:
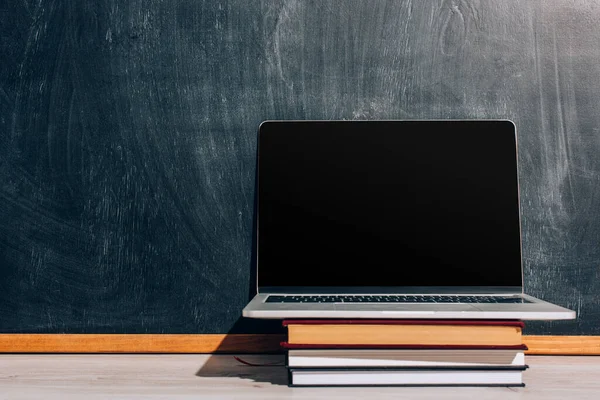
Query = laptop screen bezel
x=386 y=289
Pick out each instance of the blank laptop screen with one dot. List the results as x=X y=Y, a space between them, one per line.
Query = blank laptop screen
x=388 y=203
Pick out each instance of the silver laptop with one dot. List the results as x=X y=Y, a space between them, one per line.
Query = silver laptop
x=391 y=219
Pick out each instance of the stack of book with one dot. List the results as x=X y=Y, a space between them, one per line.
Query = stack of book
x=404 y=352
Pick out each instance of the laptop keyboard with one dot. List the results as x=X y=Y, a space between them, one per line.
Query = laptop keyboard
x=441 y=299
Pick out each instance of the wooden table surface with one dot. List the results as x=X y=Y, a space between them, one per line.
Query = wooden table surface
x=200 y=376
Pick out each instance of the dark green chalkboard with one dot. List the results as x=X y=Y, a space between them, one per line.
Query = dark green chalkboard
x=128 y=140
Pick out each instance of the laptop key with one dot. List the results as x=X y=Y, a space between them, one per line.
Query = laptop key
x=276 y=299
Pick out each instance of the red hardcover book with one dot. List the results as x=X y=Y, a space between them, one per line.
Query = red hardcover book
x=386 y=332
x=474 y=322
x=287 y=345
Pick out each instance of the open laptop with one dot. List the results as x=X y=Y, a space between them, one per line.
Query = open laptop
x=391 y=219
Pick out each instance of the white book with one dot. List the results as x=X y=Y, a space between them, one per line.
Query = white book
x=404 y=358
x=409 y=377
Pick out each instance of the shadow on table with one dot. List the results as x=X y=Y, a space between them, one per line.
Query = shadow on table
x=260 y=348
x=266 y=368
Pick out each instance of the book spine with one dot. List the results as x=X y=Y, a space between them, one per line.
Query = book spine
x=419 y=385
x=287 y=345
x=292 y=384
x=413 y=368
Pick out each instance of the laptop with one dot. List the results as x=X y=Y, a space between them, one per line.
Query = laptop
x=391 y=219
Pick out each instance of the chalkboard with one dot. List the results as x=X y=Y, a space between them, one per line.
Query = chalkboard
x=128 y=141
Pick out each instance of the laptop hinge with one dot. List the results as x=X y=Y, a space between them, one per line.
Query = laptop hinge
x=393 y=289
